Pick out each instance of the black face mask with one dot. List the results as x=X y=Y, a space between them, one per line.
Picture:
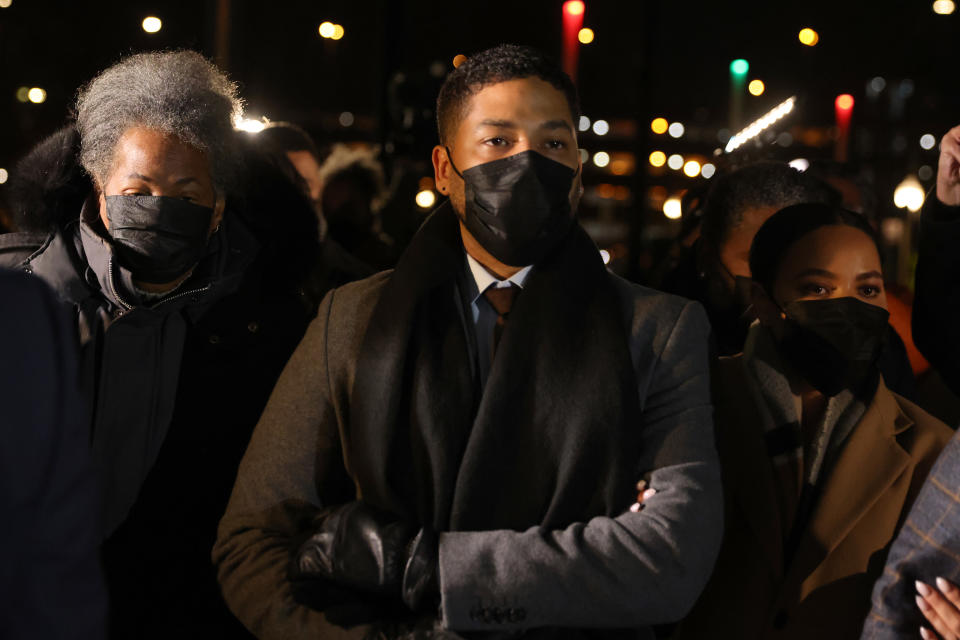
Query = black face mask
x=158 y=238
x=518 y=207
x=731 y=312
x=834 y=344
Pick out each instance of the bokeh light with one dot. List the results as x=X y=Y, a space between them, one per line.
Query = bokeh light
x=808 y=37
x=673 y=208
x=458 y=60
x=326 y=29
x=691 y=168
x=676 y=130
x=708 y=170
x=927 y=141
x=659 y=125
x=844 y=102
x=675 y=161
x=601 y=159
x=152 y=24
x=426 y=198
x=658 y=158
x=756 y=87
x=585 y=36
x=36 y=95
x=601 y=127
x=909 y=194
x=944 y=7
x=739 y=67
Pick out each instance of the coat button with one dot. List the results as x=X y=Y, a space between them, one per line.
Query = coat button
x=780 y=620
x=214 y=339
x=253 y=327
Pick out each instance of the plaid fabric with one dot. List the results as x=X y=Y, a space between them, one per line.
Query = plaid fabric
x=927 y=546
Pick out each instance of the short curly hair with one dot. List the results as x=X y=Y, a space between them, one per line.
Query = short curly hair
x=499 y=64
x=179 y=93
x=761 y=184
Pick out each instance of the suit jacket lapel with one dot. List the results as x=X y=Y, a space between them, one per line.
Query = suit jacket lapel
x=868 y=464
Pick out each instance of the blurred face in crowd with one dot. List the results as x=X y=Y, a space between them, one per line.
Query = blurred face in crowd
x=150 y=163
x=734 y=251
x=309 y=169
x=836 y=261
x=502 y=120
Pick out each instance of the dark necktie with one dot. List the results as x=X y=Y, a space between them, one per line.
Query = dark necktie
x=502 y=301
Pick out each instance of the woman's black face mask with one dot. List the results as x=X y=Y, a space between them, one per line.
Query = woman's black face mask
x=518 y=208
x=834 y=344
x=158 y=238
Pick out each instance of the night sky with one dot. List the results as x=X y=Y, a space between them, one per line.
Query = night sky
x=649 y=59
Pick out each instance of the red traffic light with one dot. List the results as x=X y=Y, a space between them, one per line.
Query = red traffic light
x=844 y=102
x=574 y=7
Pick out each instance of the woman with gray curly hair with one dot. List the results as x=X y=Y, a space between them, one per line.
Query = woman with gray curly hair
x=183 y=320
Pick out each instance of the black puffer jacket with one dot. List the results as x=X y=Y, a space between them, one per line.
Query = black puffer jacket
x=176 y=387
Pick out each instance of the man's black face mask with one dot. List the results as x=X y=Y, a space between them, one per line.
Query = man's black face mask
x=518 y=207
x=157 y=238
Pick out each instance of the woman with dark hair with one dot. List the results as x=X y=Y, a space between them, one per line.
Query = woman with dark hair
x=820 y=460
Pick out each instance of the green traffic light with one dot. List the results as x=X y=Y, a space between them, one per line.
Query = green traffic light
x=739 y=67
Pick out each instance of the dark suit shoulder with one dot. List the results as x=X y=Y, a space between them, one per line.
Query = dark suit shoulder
x=649 y=310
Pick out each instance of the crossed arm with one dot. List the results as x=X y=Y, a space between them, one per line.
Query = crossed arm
x=637 y=569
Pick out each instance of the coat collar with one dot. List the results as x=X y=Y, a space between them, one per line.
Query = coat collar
x=870 y=462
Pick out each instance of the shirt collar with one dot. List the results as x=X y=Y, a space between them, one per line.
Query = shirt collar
x=484 y=278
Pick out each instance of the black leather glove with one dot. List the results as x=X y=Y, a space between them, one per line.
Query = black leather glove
x=367 y=550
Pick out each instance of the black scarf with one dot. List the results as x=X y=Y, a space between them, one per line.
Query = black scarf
x=554 y=436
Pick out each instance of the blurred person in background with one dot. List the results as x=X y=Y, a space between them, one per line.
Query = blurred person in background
x=352 y=193
x=936 y=308
x=282 y=155
x=183 y=265
x=717 y=270
x=51 y=583
x=820 y=460
x=919 y=585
